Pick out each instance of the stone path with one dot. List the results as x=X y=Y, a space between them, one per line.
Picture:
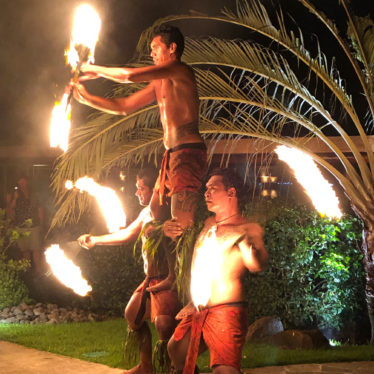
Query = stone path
x=16 y=359
x=360 y=367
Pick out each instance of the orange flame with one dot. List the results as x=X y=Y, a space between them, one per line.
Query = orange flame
x=60 y=124
x=205 y=269
x=85 y=33
x=309 y=176
x=107 y=199
x=66 y=271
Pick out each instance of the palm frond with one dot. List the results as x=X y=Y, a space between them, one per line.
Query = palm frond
x=221 y=88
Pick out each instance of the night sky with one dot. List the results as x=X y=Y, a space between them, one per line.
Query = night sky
x=34 y=34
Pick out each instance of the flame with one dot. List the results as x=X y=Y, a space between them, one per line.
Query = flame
x=66 y=271
x=309 y=176
x=205 y=269
x=108 y=201
x=85 y=33
x=60 y=124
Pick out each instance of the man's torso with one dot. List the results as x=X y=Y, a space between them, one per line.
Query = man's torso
x=218 y=256
x=179 y=107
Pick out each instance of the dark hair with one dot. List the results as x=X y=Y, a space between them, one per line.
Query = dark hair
x=230 y=178
x=171 y=34
x=148 y=175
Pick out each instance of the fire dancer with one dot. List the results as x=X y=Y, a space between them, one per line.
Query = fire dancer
x=154 y=298
x=173 y=86
x=227 y=246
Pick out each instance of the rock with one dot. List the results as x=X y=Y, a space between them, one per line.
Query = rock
x=17 y=311
x=28 y=313
x=23 y=307
x=264 y=327
x=38 y=311
x=45 y=313
x=298 y=339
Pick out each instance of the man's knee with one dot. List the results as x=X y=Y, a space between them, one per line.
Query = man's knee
x=165 y=326
x=172 y=350
x=130 y=318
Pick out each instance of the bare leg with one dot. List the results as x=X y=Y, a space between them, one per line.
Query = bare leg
x=159 y=212
x=145 y=337
x=183 y=207
x=165 y=326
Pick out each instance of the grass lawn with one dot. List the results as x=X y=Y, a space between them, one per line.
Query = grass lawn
x=102 y=342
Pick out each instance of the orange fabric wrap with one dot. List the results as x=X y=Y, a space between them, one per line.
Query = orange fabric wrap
x=223 y=328
x=182 y=169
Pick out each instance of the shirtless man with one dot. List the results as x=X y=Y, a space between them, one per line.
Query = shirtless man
x=173 y=86
x=153 y=298
x=226 y=248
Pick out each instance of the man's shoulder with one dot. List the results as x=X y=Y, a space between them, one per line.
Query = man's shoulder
x=210 y=221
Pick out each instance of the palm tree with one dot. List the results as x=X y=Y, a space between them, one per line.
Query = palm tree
x=270 y=89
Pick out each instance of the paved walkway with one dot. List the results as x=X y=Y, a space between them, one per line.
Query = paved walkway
x=16 y=359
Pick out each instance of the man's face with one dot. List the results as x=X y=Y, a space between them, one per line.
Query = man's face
x=23 y=184
x=143 y=192
x=216 y=195
x=159 y=51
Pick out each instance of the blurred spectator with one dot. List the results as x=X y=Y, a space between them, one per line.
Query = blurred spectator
x=25 y=207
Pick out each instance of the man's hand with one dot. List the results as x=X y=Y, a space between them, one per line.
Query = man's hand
x=86 y=241
x=172 y=229
x=80 y=93
x=89 y=72
x=165 y=284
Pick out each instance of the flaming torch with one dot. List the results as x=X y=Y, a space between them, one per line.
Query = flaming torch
x=107 y=199
x=206 y=268
x=66 y=271
x=85 y=34
x=309 y=176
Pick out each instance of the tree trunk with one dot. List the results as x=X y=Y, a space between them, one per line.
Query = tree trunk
x=368 y=252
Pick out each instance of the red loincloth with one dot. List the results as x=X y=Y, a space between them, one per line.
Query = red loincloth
x=163 y=303
x=223 y=327
x=182 y=169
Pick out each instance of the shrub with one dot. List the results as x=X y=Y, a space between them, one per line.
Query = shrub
x=12 y=288
x=114 y=273
x=315 y=275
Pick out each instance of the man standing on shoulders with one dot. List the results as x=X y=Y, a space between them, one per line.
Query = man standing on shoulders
x=152 y=299
x=173 y=86
x=226 y=248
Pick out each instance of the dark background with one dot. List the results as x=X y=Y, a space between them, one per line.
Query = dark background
x=34 y=34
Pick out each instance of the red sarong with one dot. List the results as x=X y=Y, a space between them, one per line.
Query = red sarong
x=182 y=169
x=223 y=328
x=163 y=303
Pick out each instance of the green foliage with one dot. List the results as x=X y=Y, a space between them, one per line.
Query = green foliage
x=315 y=275
x=114 y=274
x=12 y=288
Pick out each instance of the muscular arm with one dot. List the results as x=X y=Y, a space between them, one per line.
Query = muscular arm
x=132 y=75
x=252 y=248
x=118 y=237
x=118 y=105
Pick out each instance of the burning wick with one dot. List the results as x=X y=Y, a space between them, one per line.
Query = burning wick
x=206 y=268
x=309 y=176
x=109 y=202
x=60 y=124
x=66 y=271
x=85 y=34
